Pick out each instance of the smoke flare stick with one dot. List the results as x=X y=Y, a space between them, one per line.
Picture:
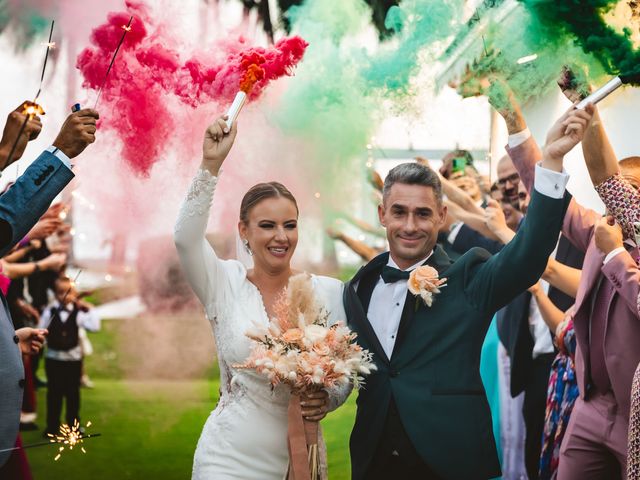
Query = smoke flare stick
x=253 y=73
x=607 y=89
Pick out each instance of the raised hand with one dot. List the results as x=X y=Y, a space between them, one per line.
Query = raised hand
x=565 y=134
x=45 y=227
x=77 y=132
x=218 y=140
x=503 y=100
x=14 y=123
x=53 y=262
x=608 y=235
x=494 y=217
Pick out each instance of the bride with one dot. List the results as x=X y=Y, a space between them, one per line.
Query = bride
x=245 y=437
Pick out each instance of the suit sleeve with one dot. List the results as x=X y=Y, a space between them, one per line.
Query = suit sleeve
x=26 y=201
x=467 y=238
x=624 y=273
x=492 y=284
x=579 y=222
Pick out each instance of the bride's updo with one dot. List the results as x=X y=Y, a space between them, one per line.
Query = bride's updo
x=261 y=192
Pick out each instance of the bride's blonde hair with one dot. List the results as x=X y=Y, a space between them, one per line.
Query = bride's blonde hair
x=261 y=192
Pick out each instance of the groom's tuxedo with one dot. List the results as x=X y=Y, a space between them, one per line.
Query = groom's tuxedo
x=430 y=392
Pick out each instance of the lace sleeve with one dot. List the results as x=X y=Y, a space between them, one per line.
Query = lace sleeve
x=621 y=200
x=197 y=257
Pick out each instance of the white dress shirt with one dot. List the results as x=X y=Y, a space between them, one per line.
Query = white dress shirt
x=386 y=305
x=61 y=156
x=88 y=320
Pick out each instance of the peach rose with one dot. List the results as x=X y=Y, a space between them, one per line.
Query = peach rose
x=293 y=335
x=421 y=278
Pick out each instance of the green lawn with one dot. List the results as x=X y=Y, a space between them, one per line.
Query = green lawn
x=150 y=428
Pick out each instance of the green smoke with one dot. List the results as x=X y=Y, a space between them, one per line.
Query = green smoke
x=326 y=103
x=507 y=43
x=27 y=23
x=419 y=24
x=584 y=22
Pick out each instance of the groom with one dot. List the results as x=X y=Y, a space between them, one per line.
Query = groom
x=424 y=414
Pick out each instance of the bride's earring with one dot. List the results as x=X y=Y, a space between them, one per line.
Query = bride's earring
x=246 y=246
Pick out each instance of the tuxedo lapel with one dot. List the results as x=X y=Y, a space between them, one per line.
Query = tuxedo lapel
x=440 y=261
x=357 y=312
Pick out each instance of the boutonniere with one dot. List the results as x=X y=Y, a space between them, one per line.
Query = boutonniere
x=424 y=282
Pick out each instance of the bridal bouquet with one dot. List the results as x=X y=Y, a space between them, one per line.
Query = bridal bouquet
x=300 y=349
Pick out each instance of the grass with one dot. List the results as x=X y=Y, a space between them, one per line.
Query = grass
x=150 y=428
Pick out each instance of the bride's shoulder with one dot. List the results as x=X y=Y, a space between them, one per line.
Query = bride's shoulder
x=235 y=271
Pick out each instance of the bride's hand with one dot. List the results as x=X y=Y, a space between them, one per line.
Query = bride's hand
x=218 y=140
x=315 y=405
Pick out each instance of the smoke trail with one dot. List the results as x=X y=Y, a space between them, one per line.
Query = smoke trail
x=528 y=56
x=149 y=72
x=418 y=24
x=584 y=20
x=30 y=19
x=327 y=106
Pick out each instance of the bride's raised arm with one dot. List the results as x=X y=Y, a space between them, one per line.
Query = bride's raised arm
x=203 y=269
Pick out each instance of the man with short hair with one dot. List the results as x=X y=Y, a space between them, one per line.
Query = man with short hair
x=423 y=413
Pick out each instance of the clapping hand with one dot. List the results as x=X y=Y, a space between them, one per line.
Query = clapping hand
x=218 y=140
x=608 y=235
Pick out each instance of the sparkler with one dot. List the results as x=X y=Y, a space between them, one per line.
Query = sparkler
x=69 y=437
x=127 y=29
x=30 y=109
x=253 y=73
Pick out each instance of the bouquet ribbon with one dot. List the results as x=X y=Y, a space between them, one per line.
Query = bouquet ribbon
x=302 y=442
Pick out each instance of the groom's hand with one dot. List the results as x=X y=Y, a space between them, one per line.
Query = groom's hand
x=315 y=405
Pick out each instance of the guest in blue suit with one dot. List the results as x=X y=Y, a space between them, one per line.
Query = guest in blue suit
x=20 y=208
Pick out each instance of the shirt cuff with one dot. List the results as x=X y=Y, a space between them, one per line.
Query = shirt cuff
x=61 y=156
x=612 y=254
x=453 y=233
x=550 y=183
x=519 y=138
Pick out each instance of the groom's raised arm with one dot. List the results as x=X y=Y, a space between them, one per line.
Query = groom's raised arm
x=491 y=284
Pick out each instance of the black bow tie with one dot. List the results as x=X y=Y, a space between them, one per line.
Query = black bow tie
x=392 y=275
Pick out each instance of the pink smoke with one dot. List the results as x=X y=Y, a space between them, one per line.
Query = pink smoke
x=148 y=74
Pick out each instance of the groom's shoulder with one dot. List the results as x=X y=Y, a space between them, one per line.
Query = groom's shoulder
x=473 y=257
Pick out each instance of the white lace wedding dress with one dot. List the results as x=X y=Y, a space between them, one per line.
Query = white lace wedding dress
x=245 y=437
